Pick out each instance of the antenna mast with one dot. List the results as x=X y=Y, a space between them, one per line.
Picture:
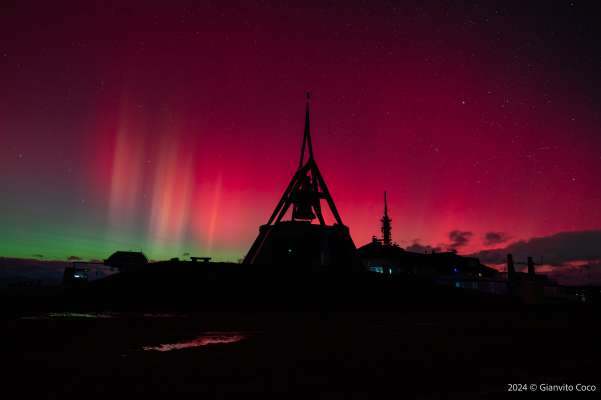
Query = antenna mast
x=386 y=226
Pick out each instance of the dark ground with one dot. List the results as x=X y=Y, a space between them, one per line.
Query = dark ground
x=307 y=335
x=331 y=355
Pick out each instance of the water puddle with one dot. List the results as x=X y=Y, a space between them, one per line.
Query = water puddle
x=84 y=315
x=207 y=339
x=71 y=315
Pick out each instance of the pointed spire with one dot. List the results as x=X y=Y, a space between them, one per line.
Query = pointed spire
x=307 y=135
x=307 y=188
x=386 y=227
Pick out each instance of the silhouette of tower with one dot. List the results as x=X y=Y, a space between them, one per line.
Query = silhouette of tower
x=298 y=241
x=531 y=270
x=511 y=275
x=386 y=227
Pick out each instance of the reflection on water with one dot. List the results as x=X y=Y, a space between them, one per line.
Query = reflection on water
x=204 y=340
x=71 y=315
x=81 y=315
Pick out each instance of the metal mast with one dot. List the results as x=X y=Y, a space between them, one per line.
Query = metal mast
x=386 y=226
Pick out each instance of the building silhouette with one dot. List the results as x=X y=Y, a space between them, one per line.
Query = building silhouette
x=383 y=255
x=126 y=260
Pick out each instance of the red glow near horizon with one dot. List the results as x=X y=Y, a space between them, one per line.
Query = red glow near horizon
x=176 y=130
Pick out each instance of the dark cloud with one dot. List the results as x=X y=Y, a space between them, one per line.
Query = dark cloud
x=459 y=238
x=588 y=274
x=494 y=238
x=558 y=249
x=74 y=258
x=38 y=256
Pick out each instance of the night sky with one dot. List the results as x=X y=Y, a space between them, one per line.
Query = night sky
x=175 y=128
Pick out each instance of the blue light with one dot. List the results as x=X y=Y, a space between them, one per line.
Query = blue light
x=455 y=270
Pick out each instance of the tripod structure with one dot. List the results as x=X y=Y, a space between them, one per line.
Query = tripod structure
x=307 y=188
x=297 y=241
